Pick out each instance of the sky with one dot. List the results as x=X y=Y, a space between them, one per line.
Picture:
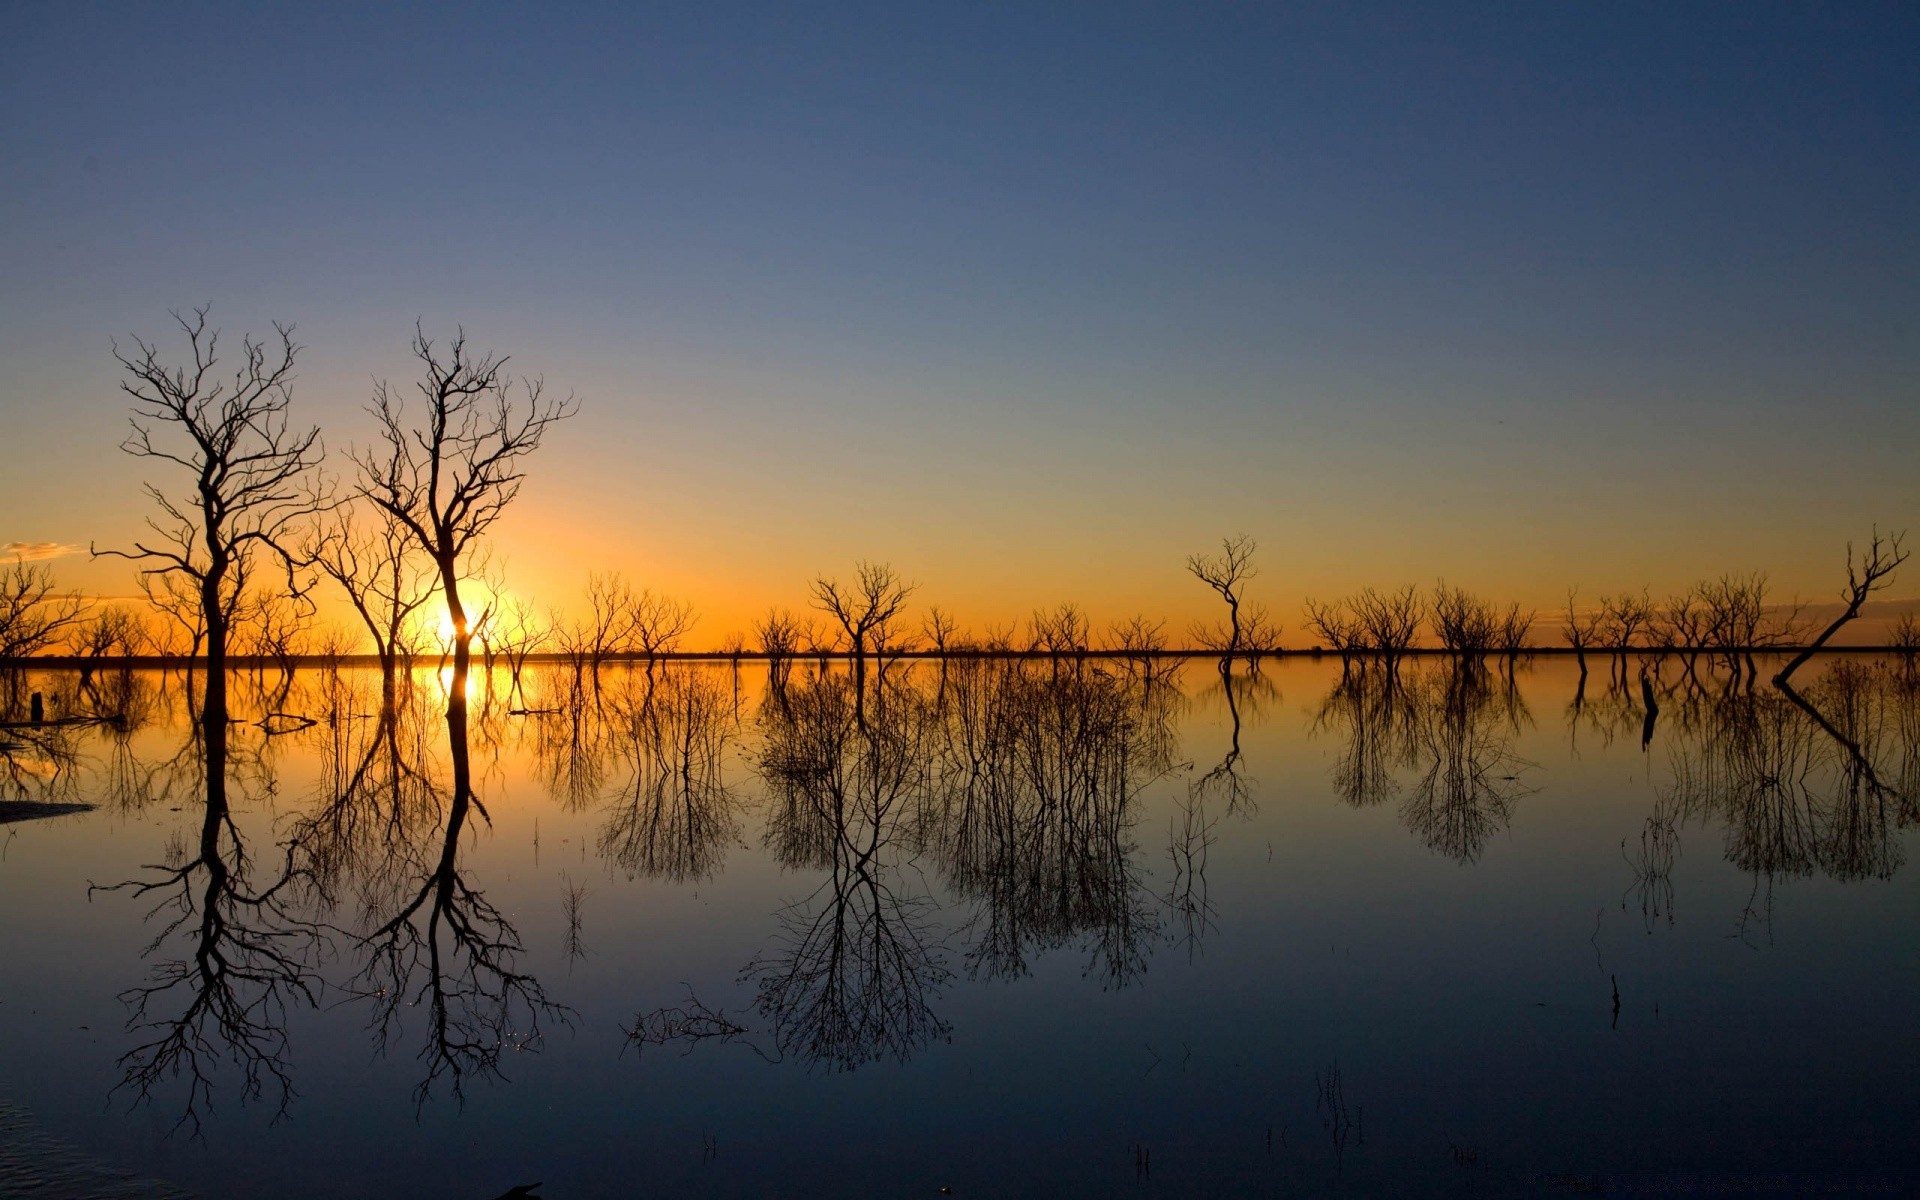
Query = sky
x=1031 y=301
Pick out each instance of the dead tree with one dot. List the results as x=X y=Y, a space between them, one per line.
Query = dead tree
x=252 y=489
x=1466 y=625
x=32 y=617
x=1391 y=620
x=1336 y=623
x=865 y=611
x=448 y=478
x=1581 y=631
x=380 y=568
x=1867 y=574
x=1226 y=573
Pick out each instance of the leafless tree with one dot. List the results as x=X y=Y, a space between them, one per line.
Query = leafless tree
x=1740 y=619
x=865 y=611
x=658 y=624
x=1337 y=624
x=1391 y=620
x=111 y=629
x=521 y=632
x=1511 y=637
x=1623 y=620
x=448 y=478
x=252 y=484
x=1466 y=625
x=1226 y=573
x=378 y=564
x=32 y=617
x=1581 y=630
x=1906 y=636
x=1060 y=631
x=1867 y=573
x=938 y=627
x=182 y=627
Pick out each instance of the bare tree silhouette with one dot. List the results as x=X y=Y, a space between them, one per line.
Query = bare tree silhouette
x=252 y=475
x=379 y=566
x=447 y=479
x=32 y=617
x=1867 y=574
x=865 y=611
x=1227 y=574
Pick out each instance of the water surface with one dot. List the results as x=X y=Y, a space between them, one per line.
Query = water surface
x=1011 y=927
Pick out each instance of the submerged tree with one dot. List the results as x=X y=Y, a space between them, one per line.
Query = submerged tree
x=32 y=617
x=447 y=478
x=252 y=488
x=379 y=566
x=1227 y=574
x=866 y=611
x=1867 y=574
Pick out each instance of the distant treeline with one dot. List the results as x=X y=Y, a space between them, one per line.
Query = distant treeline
x=257 y=518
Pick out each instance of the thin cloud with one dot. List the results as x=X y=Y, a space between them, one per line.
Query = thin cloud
x=34 y=551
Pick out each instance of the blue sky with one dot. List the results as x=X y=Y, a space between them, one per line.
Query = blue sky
x=1032 y=300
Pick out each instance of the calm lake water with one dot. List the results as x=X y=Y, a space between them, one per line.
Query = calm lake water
x=1010 y=928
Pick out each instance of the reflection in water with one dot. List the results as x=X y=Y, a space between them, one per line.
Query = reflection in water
x=855 y=970
x=1799 y=781
x=1444 y=733
x=673 y=817
x=242 y=953
x=961 y=818
x=1032 y=817
x=442 y=948
x=1465 y=726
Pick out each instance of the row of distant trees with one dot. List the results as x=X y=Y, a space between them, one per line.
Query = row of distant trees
x=391 y=587
x=251 y=523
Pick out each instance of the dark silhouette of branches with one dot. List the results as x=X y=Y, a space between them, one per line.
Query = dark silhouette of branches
x=252 y=471
x=1227 y=573
x=1467 y=626
x=452 y=957
x=1391 y=620
x=378 y=564
x=447 y=478
x=32 y=617
x=247 y=959
x=674 y=817
x=866 y=611
x=1872 y=570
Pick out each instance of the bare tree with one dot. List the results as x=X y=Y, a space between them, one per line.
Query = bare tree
x=1466 y=625
x=32 y=617
x=1335 y=621
x=1226 y=573
x=380 y=568
x=1581 y=630
x=658 y=623
x=1391 y=620
x=939 y=629
x=182 y=626
x=1867 y=574
x=252 y=477
x=864 y=611
x=1515 y=624
x=1061 y=631
x=448 y=479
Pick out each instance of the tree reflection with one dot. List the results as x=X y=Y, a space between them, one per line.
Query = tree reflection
x=244 y=954
x=432 y=942
x=855 y=971
x=1035 y=811
x=674 y=817
x=1799 y=781
x=1444 y=734
x=1471 y=779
